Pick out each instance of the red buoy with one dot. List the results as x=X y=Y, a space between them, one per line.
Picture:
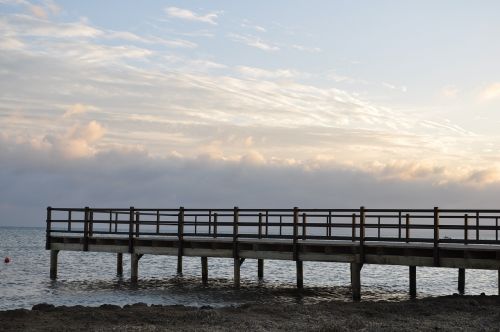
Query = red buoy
x=6 y=260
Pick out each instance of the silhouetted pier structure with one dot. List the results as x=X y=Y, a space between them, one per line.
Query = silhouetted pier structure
x=460 y=239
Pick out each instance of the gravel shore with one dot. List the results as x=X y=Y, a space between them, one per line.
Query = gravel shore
x=451 y=313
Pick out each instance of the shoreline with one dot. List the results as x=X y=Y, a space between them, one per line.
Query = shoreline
x=470 y=312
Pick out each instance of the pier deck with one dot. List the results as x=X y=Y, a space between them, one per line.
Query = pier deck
x=425 y=237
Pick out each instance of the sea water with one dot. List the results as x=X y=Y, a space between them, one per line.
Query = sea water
x=87 y=278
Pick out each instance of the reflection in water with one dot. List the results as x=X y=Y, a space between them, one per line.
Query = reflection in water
x=90 y=279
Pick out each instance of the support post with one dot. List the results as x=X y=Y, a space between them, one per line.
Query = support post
x=119 y=264
x=260 y=269
x=413 y=282
x=48 y=229
x=356 y=281
x=204 y=270
x=236 y=272
x=180 y=235
x=461 y=281
x=134 y=267
x=436 y=236
x=300 y=274
x=53 y=264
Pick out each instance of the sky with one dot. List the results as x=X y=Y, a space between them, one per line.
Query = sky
x=253 y=104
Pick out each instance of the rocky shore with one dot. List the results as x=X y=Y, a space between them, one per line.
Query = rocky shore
x=451 y=313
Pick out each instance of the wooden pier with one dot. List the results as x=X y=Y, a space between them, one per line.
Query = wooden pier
x=459 y=239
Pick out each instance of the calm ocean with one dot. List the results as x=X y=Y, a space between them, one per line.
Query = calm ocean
x=90 y=279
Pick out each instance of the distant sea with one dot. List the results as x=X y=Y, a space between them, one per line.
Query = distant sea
x=90 y=279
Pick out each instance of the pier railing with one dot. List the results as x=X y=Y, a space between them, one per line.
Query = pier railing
x=464 y=226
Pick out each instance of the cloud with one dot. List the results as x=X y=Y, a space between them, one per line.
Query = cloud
x=38 y=11
x=306 y=48
x=106 y=178
x=491 y=92
x=77 y=109
x=260 y=73
x=254 y=41
x=185 y=14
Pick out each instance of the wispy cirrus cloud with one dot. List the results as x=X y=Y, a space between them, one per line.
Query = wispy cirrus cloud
x=186 y=14
x=253 y=41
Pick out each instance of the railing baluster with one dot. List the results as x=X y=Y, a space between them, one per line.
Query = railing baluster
x=399 y=225
x=267 y=223
x=477 y=226
x=49 y=227
x=353 y=227
x=157 y=221
x=304 y=230
x=280 y=223
x=329 y=228
x=69 y=220
x=215 y=225
x=131 y=230
x=209 y=222
x=407 y=227
x=260 y=225
x=137 y=219
x=378 y=228
x=116 y=222
x=195 y=225
x=436 y=236
x=110 y=221
x=466 y=228
x=496 y=231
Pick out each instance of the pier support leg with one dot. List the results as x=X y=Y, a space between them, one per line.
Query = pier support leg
x=461 y=280
x=53 y=264
x=236 y=272
x=260 y=269
x=356 y=281
x=119 y=264
x=204 y=270
x=413 y=282
x=300 y=274
x=134 y=267
x=179 y=265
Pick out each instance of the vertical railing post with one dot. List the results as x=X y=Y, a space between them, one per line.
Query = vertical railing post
x=86 y=217
x=131 y=230
x=48 y=228
x=407 y=228
x=353 y=227
x=295 y=233
x=157 y=221
x=236 y=259
x=235 y=231
x=378 y=228
x=137 y=220
x=466 y=228
x=436 y=236
x=110 y=221
x=180 y=236
x=260 y=226
x=304 y=228
x=329 y=230
x=267 y=223
x=91 y=223
x=477 y=225
x=116 y=222
x=399 y=225
x=69 y=220
x=362 y=234
x=209 y=222
x=215 y=225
